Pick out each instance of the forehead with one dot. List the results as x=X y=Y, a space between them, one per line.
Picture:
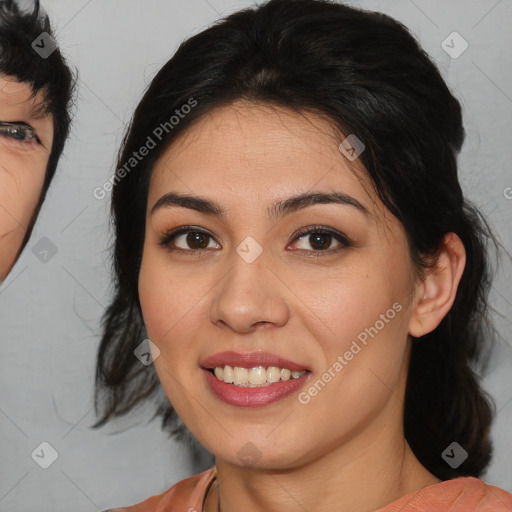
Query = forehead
x=246 y=148
x=19 y=95
x=245 y=136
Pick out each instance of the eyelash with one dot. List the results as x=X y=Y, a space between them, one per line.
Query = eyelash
x=10 y=130
x=170 y=236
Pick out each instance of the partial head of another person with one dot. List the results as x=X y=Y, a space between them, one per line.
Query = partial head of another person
x=35 y=101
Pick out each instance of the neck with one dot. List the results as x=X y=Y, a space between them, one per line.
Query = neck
x=362 y=475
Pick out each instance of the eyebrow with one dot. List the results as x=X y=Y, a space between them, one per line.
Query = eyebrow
x=275 y=212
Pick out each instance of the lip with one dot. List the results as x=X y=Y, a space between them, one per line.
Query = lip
x=250 y=360
x=253 y=397
x=246 y=396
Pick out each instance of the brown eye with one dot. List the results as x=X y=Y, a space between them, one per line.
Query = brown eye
x=197 y=240
x=318 y=239
x=188 y=239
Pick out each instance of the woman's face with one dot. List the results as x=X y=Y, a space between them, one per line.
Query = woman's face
x=25 y=146
x=290 y=263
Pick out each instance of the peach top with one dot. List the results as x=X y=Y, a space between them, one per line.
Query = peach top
x=463 y=494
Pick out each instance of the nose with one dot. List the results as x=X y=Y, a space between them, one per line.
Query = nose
x=249 y=297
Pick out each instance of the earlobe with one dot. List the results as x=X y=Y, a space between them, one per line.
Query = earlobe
x=439 y=287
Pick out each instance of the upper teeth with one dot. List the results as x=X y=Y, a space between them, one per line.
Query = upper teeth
x=257 y=376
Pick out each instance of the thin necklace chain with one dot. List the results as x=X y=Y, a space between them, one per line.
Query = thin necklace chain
x=214 y=482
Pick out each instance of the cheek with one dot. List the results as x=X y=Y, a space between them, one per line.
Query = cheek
x=21 y=183
x=342 y=304
x=19 y=194
x=360 y=328
x=361 y=344
x=173 y=304
x=174 y=315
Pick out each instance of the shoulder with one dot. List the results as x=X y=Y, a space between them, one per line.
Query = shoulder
x=184 y=496
x=464 y=494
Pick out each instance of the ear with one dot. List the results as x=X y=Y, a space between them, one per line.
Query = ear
x=435 y=294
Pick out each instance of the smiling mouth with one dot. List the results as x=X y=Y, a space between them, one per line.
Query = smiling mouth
x=255 y=377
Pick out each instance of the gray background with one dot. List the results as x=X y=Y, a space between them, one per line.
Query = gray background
x=49 y=312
